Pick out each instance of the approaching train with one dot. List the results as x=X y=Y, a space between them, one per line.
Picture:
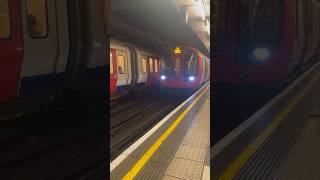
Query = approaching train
x=187 y=68
x=132 y=66
x=265 y=41
x=48 y=46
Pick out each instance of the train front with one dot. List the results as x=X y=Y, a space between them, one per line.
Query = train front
x=181 y=70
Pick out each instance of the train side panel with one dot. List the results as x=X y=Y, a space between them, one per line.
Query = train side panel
x=11 y=48
x=40 y=48
x=96 y=64
x=113 y=71
x=142 y=67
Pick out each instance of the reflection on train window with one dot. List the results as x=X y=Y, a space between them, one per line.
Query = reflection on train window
x=204 y=67
x=155 y=65
x=151 y=64
x=300 y=16
x=176 y=67
x=259 y=21
x=37 y=18
x=191 y=64
x=162 y=66
x=106 y=17
x=218 y=24
x=121 y=64
x=144 y=65
x=4 y=19
x=111 y=63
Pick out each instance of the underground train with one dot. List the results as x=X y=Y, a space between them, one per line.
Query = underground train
x=187 y=68
x=265 y=42
x=48 y=46
x=132 y=66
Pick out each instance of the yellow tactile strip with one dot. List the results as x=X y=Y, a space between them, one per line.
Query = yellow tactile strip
x=188 y=162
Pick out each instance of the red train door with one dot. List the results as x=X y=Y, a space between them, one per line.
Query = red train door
x=152 y=71
x=11 y=49
x=113 y=71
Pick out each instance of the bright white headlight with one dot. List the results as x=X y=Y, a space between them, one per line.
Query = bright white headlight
x=163 y=77
x=261 y=53
x=191 y=78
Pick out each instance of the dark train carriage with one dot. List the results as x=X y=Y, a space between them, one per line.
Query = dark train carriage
x=187 y=68
x=264 y=42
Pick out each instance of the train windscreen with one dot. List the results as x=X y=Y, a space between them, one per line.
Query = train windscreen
x=191 y=64
x=259 y=20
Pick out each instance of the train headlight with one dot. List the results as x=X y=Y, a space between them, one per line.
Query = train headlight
x=163 y=77
x=261 y=53
x=191 y=78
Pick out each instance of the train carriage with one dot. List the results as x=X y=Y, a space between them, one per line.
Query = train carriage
x=132 y=67
x=47 y=47
x=187 y=68
x=264 y=42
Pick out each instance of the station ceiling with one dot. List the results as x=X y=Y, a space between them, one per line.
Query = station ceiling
x=164 y=20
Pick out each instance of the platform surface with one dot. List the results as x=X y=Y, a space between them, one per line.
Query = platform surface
x=183 y=151
x=303 y=160
x=280 y=141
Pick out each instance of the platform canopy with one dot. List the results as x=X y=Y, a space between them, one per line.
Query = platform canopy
x=162 y=23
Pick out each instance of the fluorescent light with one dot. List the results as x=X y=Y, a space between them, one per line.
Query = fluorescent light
x=201 y=9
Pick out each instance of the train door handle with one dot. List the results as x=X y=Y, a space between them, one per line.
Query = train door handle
x=19 y=49
x=97 y=45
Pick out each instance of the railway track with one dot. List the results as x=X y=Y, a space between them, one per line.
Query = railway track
x=70 y=160
x=131 y=120
x=63 y=148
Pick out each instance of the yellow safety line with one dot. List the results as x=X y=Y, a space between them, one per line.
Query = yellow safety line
x=242 y=159
x=139 y=165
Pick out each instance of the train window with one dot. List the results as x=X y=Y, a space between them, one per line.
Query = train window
x=121 y=64
x=106 y=16
x=314 y=19
x=311 y=24
x=37 y=18
x=203 y=68
x=318 y=19
x=144 y=65
x=111 y=63
x=151 y=64
x=162 y=66
x=218 y=24
x=259 y=21
x=191 y=64
x=4 y=19
x=176 y=67
x=155 y=65
x=300 y=16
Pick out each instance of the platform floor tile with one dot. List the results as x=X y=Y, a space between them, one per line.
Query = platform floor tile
x=303 y=161
x=191 y=153
x=185 y=169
